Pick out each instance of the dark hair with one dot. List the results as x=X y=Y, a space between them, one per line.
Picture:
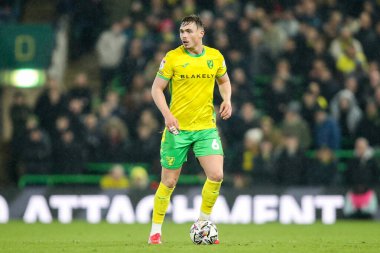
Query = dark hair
x=192 y=19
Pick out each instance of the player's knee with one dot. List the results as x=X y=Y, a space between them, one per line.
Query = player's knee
x=169 y=182
x=216 y=176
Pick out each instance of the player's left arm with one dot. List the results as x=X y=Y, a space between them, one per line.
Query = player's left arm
x=224 y=86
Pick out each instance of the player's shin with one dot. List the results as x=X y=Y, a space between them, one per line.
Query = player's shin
x=161 y=203
x=210 y=193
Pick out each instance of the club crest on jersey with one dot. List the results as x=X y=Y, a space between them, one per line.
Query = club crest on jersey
x=162 y=64
x=210 y=64
x=170 y=160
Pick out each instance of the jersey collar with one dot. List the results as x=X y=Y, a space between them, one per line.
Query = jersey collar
x=195 y=55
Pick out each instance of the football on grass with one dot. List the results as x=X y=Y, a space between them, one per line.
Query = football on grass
x=203 y=232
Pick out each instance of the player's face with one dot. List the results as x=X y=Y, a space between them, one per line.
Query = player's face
x=191 y=36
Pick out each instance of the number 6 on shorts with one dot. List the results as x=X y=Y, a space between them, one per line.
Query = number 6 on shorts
x=215 y=145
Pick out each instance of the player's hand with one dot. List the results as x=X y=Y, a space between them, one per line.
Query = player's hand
x=225 y=110
x=172 y=124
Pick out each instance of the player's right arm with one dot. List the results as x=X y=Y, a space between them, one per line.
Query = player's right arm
x=158 y=87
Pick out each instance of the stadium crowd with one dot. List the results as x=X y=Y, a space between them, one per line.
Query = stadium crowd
x=306 y=85
x=9 y=11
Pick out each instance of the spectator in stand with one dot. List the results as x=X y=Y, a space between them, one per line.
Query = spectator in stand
x=69 y=154
x=137 y=87
x=157 y=8
x=152 y=65
x=310 y=36
x=236 y=59
x=366 y=35
x=326 y=132
x=51 y=103
x=127 y=25
x=245 y=155
x=369 y=126
x=139 y=178
x=247 y=117
x=283 y=72
x=345 y=110
x=81 y=90
x=333 y=24
x=250 y=117
x=351 y=84
x=19 y=113
x=145 y=146
x=308 y=108
x=62 y=124
x=137 y=11
x=291 y=55
x=361 y=176
x=145 y=34
x=104 y=114
x=31 y=123
x=36 y=153
x=322 y=75
x=369 y=88
x=271 y=132
x=115 y=179
x=219 y=27
x=223 y=43
x=242 y=89
x=256 y=14
x=277 y=97
x=290 y=166
x=352 y=61
x=260 y=59
x=208 y=20
x=323 y=169
x=315 y=89
x=110 y=49
x=75 y=115
x=344 y=41
x=166 y=31
x=134 y=62
x=371 y=8
x=273 y=36
x=115 y=146
x=294 y=125
x=92 y=137
x=264 y=161
x=112 y=100
x=320 y=52
x=148 y=140
x=307 y=12
x=87 y=20
x=241 y=40
x=288 y=23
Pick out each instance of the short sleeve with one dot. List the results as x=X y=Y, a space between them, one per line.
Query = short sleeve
x=222 y=67
x=166 y=68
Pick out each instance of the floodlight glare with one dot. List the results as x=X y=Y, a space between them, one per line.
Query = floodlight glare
x=25 y=78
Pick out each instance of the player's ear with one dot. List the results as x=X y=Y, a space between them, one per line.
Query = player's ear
x=202 y=33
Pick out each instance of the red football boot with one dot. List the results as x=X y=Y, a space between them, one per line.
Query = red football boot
x=155 y=239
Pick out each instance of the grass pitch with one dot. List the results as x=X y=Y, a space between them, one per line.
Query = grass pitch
x=82 y=237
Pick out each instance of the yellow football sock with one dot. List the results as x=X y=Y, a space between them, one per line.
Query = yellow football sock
x=161 y=203
x=210 y=193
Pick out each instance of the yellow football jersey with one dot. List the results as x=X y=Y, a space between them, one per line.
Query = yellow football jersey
x=191 y=84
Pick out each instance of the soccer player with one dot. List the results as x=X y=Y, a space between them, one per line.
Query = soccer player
x=190 y=72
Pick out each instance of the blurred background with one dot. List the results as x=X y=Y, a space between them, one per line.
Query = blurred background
x=76 y=109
